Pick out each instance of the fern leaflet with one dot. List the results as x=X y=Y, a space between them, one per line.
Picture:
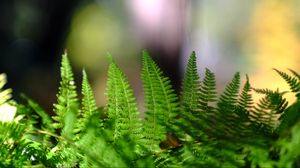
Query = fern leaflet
x=160 y=99
x=89 y=113
x=122 y=108
x=67 y=106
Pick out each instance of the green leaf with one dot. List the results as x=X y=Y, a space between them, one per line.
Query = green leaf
x=190 y=95
x=90 y=114
x=67 y=106
x=160 y=102
x=292 y=81
x=229 y=97
x=122 y=108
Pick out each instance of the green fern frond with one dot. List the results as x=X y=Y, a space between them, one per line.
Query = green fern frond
x=122 y=108
x=67 y=106
x=5 y=94
x=7 y=107
x=46 y=119
x=89 y=111
x=190 y=95
x=226 y=108
x=245 y=99
x=229 y=97
x=269 y=108
x=208 y=93
x=296 y=74
x=293 y=82
x=191 y=115
x=160 y=101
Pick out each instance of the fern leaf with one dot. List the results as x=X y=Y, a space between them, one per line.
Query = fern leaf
x=122 y=108
x=269 y=108
x=225 y=115
x=190 y=95
x=160 y=101
x=7 y=109
x=46 y=119
x=195 y=99
x=67 y=106
x=5 y=94
x=292 y=81
x=208 y=92
x=245 y=100
x=89 y=109
x=228 y=99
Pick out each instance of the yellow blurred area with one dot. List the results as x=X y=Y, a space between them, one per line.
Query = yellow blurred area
x=274 y=44
x=94 y=32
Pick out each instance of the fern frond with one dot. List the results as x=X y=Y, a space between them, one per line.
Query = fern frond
x=269 y=108
x=293 y=82
x=238 y=122
x=7 y=109
x=245 y=99
x=208 y=97
x=160 y=101
x=296 y=74
x=226 y=108
x=122 y=108
x=67 y=106
x=208 y=89
x=5 y=94
x=228 y=98
x=89 y=111
x=45 y=118
x=191 y=116
x=190 y=95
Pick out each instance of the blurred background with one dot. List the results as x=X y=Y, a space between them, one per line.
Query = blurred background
x=251 y=37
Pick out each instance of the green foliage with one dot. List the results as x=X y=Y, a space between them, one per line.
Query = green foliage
x=196 y=129
x=121 y=107
x=67 y=105
x=160 y=102
x=89 y=110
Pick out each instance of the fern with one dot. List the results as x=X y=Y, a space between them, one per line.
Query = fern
x=122 y=109
x=226 y=131
x=292 y=81
x=245 y=101
x=5 y=94
x=292 y=114
x=229 y=97
x=190 y=95
x=208 y=91
x=196 y=98
x=269 y=108
x=67 y=106
x=227 y=105
x=17 y=147
x=160 y=102
x=190 y=98
x=208 y=97
x=90 y=113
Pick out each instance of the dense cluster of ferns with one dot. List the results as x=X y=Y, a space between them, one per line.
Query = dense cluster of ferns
x=197 y=128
